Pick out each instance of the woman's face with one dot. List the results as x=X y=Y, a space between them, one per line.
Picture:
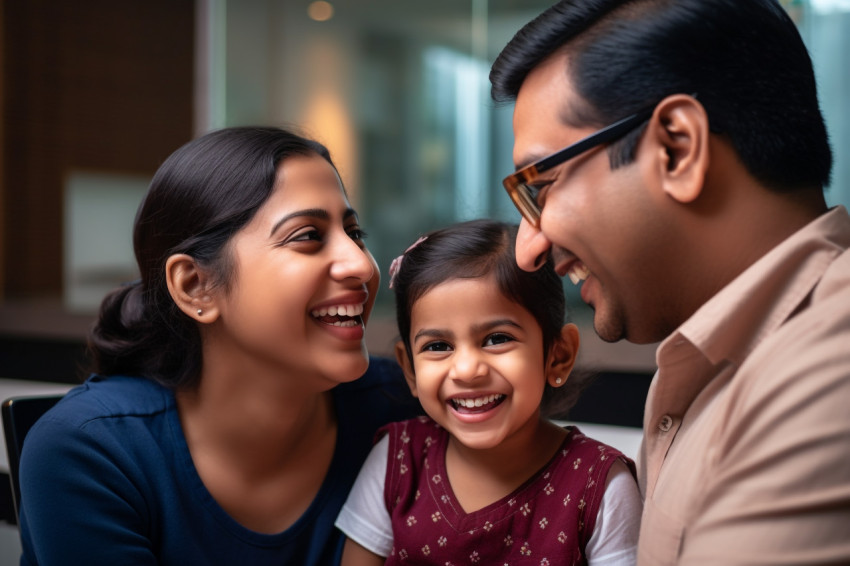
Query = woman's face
x=304 y=281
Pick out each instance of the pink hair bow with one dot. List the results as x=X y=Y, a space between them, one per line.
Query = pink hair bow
x=396 y=263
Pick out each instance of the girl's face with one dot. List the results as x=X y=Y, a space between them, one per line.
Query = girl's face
x=304 y=281
x=478 y=366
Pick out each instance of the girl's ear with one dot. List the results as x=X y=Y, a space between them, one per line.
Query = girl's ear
x=562 y=356
x=406 y=366
x=188 y=285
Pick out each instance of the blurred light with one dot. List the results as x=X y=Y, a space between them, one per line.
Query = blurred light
x=828 y=6
x=320 y=11
x=328 y=120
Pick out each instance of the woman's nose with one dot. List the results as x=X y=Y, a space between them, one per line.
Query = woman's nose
x=352 y=261
x=532 y=247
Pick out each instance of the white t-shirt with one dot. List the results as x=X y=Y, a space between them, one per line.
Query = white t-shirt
x=364 y=517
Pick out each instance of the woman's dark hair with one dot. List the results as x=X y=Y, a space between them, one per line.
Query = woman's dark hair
x=744 y=59
x=482 y=248
x=203 y=194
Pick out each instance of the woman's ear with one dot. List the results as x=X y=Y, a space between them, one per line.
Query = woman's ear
x=188 y=285
x=680 y=131
x=562 y=356
x=406 y=366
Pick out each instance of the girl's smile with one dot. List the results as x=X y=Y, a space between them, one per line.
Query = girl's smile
x=475 y=409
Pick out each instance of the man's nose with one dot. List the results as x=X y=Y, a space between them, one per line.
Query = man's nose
x=532 y=247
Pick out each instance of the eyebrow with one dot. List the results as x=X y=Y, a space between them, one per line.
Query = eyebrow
x=529 y=160
x=319 y=213
x=476 y=328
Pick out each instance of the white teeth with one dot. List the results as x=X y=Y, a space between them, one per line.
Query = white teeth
x=341 y=310
x=578 y=272
x=477 y=402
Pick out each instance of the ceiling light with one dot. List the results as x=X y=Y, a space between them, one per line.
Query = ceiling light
x=320 y=11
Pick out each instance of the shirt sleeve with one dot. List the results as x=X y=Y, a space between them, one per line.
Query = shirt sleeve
x=79 y=506
x=364 y=517
x=779 y=484
x=614 y=539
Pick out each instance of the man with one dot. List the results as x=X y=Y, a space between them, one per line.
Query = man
x=694 y=214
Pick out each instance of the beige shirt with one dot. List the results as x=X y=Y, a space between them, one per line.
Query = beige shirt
x=746 y=451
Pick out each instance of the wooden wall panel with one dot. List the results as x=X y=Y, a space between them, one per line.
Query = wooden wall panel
x=92 y=85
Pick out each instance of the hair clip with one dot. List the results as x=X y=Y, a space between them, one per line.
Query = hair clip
x=396 y=263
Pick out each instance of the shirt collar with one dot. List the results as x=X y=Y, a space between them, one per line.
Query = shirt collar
x=733 y=322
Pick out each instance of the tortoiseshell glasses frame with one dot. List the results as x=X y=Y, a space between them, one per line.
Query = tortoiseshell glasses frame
x=520 y=185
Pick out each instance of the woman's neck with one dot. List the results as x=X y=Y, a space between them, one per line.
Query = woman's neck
x=262 y=427
x=262 y=454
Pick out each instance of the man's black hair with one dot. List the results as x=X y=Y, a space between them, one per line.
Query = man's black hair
x=744 y=59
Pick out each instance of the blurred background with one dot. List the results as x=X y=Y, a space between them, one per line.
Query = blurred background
x=96 y=93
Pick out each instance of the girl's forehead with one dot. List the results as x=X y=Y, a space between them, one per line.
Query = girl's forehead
x=461 y=304
x=475 y=287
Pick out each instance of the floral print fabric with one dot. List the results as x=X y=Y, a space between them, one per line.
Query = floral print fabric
x=547 y=521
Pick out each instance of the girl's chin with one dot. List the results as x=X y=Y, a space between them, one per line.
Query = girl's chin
x=477 y=441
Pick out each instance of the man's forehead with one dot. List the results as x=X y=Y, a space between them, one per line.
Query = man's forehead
x=540 y=123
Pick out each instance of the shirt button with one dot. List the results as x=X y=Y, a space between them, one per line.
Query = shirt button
x=665 y=424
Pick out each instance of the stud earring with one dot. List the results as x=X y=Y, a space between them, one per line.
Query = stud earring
x=558 y=381
x=200 y=312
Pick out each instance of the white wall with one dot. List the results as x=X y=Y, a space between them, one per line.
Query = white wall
x=10 y=545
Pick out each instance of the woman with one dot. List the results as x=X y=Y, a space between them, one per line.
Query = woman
x=225 y=421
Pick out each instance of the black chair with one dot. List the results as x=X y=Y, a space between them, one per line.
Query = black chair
x=19 y=414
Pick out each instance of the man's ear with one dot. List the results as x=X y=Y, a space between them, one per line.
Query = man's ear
x=680 y=131
x=562 y=356
x=188 y=285
x=406 y=366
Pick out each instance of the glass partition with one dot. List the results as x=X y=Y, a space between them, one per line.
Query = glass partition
x=398 y=90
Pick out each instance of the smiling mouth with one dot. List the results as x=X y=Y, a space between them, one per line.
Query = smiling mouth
x=578 y=272
x=476 y=404
x=339 y=315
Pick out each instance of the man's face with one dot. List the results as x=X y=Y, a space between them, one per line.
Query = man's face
x=601 y=226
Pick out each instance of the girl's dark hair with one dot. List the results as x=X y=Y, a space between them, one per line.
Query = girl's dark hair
x=203 y=194
x=744 y=59
x=480 y=248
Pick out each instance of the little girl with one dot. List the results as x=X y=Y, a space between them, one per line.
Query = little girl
x=487 y=478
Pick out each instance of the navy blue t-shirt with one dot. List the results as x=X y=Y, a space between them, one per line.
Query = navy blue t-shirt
x=107 y=478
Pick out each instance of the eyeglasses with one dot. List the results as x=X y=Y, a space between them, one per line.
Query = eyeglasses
x=520 y=185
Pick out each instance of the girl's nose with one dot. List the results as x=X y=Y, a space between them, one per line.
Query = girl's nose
x=532 y=247
x=467 y=365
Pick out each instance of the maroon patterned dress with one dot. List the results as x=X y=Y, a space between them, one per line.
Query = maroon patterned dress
x=547 y=521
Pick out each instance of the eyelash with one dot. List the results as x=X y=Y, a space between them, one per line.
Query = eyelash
x=538 y=188
x=357 y=233
x=315 y=235
x=311 y=234
x=432 y=346
x=505 y=338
